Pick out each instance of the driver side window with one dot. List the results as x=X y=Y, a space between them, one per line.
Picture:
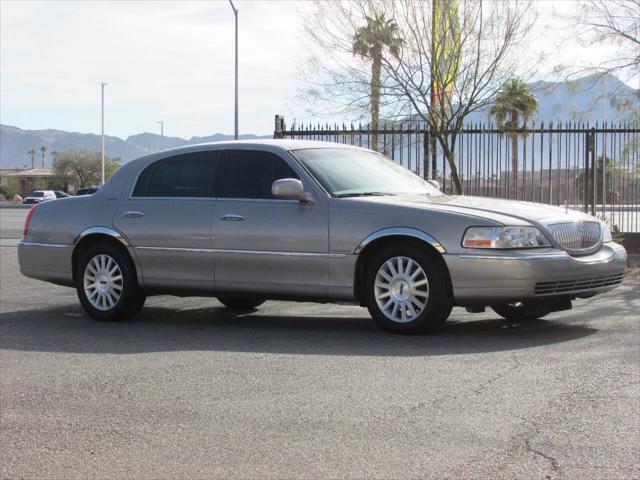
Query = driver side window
x=250 y=174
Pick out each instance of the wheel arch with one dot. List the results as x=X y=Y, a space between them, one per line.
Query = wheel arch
x=95 y=235
x=381 y=239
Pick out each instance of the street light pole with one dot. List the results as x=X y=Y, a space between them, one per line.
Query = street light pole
x=161 y=134
x=235 y=12
x=102 y=155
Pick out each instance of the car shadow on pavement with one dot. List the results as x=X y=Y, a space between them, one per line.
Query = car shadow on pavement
x=159 y=329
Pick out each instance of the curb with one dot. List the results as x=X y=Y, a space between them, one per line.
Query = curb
x=14 y=205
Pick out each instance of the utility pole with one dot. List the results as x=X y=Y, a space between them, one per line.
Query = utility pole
x=161 y=134
x=432 y=87
x=102 y=155
x=235 y=132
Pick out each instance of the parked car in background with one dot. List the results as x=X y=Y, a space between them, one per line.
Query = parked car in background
x=87 y=191
x=313 y=221
x=39 y=196
x=60 y=194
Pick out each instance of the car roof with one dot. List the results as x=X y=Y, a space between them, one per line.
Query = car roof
x=281 y=145
x=131 y=169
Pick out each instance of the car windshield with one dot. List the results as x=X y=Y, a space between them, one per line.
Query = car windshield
x=346 y=172
x=37 y=194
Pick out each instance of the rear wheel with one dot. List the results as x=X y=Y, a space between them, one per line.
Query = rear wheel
x=407 y=290
x=106 y=284
x=241 y=303
x=516 y=313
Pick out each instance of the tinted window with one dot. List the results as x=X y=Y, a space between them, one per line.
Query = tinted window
x=189 y=175
x=250 y=174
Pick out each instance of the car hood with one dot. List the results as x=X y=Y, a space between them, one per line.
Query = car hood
x=488 y=207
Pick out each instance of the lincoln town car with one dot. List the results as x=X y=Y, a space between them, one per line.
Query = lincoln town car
x=297 y=220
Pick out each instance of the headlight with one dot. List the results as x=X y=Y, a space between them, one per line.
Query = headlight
x=606 y=233
x=504 y=237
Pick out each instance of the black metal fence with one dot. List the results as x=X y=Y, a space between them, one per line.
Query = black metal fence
x=590 y=168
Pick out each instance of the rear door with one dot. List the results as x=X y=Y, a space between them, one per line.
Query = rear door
x=167 y=219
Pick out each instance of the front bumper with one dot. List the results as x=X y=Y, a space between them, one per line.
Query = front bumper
x=482 y=278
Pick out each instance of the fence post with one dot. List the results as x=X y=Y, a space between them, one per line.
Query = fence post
x=425 y=158
x=434 y=158
x=588 y=164
x=279 y=127
x=594 y=171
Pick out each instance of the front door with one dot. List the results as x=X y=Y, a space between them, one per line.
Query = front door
x=264 y=244
x=168 y=221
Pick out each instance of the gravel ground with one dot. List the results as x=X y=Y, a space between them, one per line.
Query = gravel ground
x=189 y=390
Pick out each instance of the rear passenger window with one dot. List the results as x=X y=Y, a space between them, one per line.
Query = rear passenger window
x=250 y=174
x=188 y=175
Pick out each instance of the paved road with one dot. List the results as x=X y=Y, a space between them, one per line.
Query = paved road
x=12 y=221
x=189 y=390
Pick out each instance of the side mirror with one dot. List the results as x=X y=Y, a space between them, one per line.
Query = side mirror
x=434 y=184
x=291 y=189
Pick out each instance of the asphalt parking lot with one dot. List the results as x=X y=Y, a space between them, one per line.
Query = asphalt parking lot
x=189 y=390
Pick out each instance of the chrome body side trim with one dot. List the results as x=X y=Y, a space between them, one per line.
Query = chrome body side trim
x=247 y=252
x=285 y=254
x=25 y=243
x=402 y=231
x=178 y=249
x=525 y=256
x=104 y=231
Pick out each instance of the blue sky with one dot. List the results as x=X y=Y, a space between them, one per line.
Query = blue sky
x=172 y=61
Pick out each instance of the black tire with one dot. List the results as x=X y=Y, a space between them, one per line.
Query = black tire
x=130 y=301
x=241 y=303
x=516 y=313
x=439 y=302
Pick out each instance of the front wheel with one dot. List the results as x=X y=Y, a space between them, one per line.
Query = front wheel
x=106 y=284
x=407 y=289
x=241 y=303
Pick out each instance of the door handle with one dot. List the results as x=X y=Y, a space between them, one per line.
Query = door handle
x=233 y=217
x=133 y=214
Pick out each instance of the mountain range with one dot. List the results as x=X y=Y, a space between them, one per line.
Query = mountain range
x=583 y=100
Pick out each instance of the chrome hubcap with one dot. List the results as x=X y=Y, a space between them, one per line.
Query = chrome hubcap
x=401 y=289
x=103 y=282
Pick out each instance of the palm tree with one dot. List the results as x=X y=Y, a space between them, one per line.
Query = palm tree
x=43 y=150
x=370 y=42
x=32 y=152
x=514 y=101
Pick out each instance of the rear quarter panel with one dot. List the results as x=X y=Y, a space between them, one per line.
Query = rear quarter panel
x=61 y=221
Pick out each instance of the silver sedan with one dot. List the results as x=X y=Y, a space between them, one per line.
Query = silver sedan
x=310 y=221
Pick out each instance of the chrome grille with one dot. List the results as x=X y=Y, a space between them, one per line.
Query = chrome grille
x=579 y=285
x=576 y=235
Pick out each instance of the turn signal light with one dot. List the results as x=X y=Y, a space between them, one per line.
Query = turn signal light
x=469 y=243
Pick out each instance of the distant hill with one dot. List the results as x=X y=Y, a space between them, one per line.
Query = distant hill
x=15 y=143
x=580 y=100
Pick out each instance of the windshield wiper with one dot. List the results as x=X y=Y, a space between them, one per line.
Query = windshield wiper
x=362 y=194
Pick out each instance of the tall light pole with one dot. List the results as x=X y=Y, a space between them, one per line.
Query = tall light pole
x=161 y=134
x=102 y=155
x=235 y=12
